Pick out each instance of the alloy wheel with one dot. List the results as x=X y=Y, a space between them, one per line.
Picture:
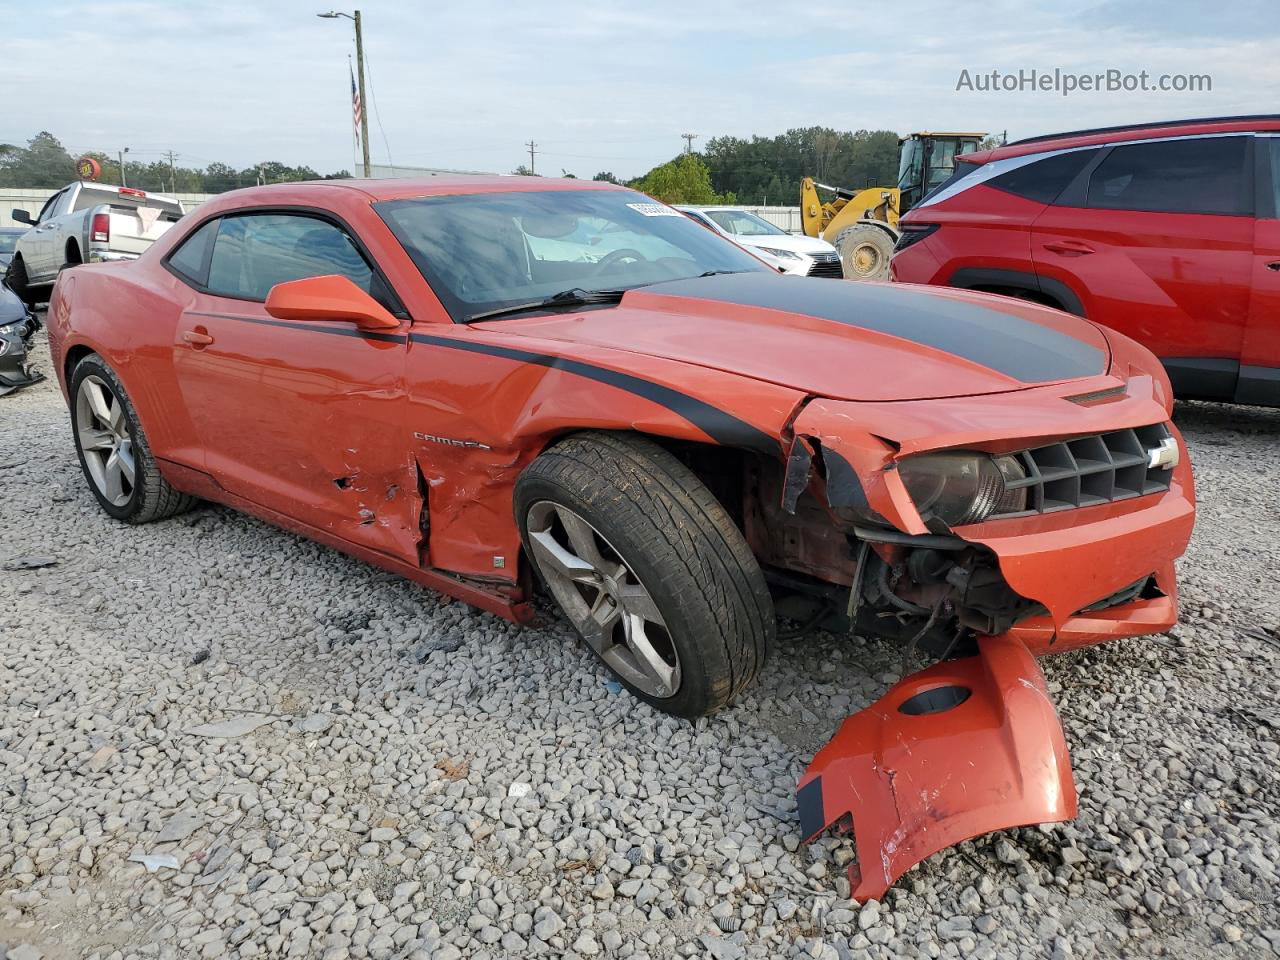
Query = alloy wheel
x=601 y=594
x=103 y=432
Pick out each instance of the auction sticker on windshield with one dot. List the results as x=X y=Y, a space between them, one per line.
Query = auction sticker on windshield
x=655 y=210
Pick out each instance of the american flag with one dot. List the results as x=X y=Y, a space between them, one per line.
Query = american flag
x=355 y=103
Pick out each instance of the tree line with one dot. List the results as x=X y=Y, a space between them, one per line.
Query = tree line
x=768 y=170
x=755 y=170
x=45 y=162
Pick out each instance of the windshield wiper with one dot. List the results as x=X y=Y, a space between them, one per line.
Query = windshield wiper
x=577 y=297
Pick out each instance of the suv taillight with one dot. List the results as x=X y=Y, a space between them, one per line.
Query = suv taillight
x=100 y=228
x=913 y=233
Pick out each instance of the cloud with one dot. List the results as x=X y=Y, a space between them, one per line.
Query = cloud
x=597 y=85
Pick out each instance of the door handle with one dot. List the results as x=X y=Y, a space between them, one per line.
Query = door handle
x=1274 y=265
x=1068 y=248
x=197 y=338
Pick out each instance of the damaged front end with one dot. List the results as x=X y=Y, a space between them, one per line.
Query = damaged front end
x=982 y=534
x=17 y=328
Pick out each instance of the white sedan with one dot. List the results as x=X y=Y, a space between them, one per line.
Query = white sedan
x=802 y=256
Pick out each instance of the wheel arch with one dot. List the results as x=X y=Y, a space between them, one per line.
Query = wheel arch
x=72 y=254
x=1023 y=284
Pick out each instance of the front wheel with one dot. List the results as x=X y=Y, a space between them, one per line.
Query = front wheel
x=865 y=251
x=15 y=278
x=113 y=449
x=649 y=568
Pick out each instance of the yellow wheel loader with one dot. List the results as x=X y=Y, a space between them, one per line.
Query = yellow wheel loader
x=863 y=224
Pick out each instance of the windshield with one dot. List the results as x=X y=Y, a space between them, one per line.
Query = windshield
x=9 y=240
x=740 y=223
x=484 y=251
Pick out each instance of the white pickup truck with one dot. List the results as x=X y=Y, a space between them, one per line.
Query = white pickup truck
x=85 y=223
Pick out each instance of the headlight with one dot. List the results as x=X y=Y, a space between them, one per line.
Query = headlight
x=780 y=254
x=963 y=486
x=18 y=329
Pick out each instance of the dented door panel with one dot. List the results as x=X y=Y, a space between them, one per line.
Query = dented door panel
x=304 y=419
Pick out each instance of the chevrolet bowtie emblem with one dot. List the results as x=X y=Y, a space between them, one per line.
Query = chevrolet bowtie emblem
x=1164 y=455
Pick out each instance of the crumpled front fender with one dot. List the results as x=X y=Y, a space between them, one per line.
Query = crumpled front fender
x=957 y=750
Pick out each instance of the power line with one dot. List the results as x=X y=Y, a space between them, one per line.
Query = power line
x=376 y=115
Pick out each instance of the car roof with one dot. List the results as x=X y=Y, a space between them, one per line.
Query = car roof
x=1254 y=123
x=441 y=185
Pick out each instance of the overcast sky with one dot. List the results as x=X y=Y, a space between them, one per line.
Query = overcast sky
x=599 y=85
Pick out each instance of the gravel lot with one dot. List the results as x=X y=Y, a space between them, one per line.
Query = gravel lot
x=341 y=764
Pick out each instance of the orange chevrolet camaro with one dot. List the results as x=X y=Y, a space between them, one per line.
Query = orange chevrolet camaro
x=472 y=380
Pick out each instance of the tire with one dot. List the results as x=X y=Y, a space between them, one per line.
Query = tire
x=865 y=250
x=15 y=278
x=675 y=544
x=120 y=435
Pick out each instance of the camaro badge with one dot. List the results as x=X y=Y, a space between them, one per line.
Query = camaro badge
x=1164 y=455
x=450 y=442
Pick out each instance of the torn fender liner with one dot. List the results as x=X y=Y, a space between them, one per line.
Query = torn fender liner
x=957 y=750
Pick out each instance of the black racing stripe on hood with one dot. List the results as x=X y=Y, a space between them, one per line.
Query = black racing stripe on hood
x=1021 y=349
x=726 y=429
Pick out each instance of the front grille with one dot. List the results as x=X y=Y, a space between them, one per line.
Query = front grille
x=826 y=265
x=1103 y=468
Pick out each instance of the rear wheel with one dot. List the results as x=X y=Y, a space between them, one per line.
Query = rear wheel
x=865 y=250
x=649 y=568
x=113 y=449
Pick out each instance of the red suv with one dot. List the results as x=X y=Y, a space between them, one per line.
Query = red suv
x=1166 y=232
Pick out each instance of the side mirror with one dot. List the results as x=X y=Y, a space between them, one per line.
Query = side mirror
x=328 y=298
x=22 y=216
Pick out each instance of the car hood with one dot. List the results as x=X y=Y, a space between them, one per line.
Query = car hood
x=806 y=245
x=847 y=341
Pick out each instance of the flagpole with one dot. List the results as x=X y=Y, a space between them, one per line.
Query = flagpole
x=355 y=134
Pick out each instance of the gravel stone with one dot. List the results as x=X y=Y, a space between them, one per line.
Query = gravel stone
x=344 y=773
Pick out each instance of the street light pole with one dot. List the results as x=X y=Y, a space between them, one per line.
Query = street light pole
x=364 y=102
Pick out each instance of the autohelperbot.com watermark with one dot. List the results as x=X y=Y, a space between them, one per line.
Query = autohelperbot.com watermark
x=1066 y=82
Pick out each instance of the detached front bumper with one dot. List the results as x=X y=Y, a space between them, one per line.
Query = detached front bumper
x=949 y=753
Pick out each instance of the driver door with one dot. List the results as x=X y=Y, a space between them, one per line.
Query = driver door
x=300 y=417
x=39 y=251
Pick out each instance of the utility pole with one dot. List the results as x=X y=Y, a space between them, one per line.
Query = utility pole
x=364 y=101
x=173 y=174
x=123 y=181
x=533 y=148
x=688 y=141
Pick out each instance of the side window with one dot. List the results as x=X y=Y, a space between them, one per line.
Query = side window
x=1198 y=175
x=254 y=252
x=1044 y=180
x=46 y=212
x=191 y=259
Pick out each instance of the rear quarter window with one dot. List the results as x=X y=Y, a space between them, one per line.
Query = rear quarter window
x=1044 y=180
x=191 y=259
